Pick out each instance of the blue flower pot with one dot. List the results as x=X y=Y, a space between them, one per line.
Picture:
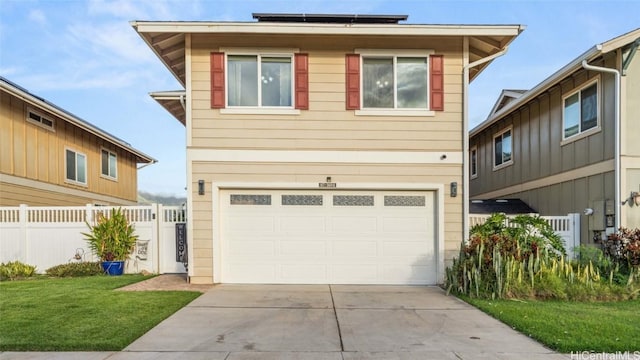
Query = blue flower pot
x=113 y=268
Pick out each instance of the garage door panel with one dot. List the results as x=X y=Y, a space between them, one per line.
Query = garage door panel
x=253 y=272
x=306 y=247
x=303 y=223
x=353 y=224
x=360 y=273
x=404 y=248
x=252 y=247
x=355 y=248
x=312 y=273
x=255 y=224
x=328 y=236
x=398 y=224
x=414 y=274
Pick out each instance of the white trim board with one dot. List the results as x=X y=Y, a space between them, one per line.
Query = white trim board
x=310 y=156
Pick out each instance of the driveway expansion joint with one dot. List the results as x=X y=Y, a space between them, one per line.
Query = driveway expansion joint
x=333 y=302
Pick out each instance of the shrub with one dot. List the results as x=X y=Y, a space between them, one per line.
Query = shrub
x=525 y=259
x=624 y=248
x=527 y=234
x=16 y=270
x=75 y=269
x=112 y=237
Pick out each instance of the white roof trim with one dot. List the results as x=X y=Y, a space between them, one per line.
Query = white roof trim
x=325 y=29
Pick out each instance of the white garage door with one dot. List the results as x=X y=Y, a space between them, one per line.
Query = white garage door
x=327 y=237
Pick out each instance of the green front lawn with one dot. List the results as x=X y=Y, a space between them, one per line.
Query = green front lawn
x=571 y=326
x=81 y=314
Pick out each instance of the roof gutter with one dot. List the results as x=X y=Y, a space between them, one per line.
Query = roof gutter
x=616 y=73
x=465 y=131
x=541 y=87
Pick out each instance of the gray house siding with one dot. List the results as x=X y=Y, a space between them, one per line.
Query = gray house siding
x=552 y=176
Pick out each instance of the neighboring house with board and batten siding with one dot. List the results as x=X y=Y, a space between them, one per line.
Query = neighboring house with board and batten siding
x=51 y=157
x=570 y=144
x=324 y=148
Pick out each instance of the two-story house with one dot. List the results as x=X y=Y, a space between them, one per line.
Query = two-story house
x=49 y=156
x=323 y=148
x=570 y=144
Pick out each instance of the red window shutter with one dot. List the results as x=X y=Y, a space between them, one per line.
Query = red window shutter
x=436 y=72
x=302 y=81
x=352 y=62
x=217 y=80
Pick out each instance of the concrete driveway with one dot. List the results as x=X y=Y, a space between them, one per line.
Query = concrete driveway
x=331 y=322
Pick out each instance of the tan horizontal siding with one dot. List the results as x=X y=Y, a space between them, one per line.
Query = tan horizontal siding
x=320 y=121
x=340 y=129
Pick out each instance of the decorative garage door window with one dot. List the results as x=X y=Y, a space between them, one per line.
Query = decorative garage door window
x=394 y=200
x=352 y=200
x=237 y=199
x=309 y=200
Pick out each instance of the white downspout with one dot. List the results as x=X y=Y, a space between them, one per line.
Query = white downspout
x=465 y=131
x=618 y=203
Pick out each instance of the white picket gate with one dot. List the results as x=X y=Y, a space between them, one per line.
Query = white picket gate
x=49 y=236
x=568 y=227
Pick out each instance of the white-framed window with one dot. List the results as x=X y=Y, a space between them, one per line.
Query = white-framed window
x=40 y=119
x=109 y=164
x=581 y=110
x=259 y=80
x=502 y=148
x=394 y=82
x=76 y=167
x=473 y=161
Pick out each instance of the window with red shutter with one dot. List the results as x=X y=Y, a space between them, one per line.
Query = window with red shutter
x=217 y=80
x=436 y=72
x=405 y=82
x=352 y=62
x=302 y=81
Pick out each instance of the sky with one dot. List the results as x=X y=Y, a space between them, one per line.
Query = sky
x=85 y=57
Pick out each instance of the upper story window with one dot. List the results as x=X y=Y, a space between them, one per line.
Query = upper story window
x=76 y=167
x=262 y=81
x=109 y=164
x=473 y=161
x=259 y=80
x=394 y=82
x=39 y=119
x=502 y=149
x=581 y=111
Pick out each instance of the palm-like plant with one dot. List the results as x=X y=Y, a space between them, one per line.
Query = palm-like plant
x=112 y=238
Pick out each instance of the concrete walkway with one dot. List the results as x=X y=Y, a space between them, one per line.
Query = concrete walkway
x=336 y=322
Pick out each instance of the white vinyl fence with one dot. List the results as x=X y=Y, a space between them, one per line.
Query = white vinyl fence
x=49 y=236
x=568 y=227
